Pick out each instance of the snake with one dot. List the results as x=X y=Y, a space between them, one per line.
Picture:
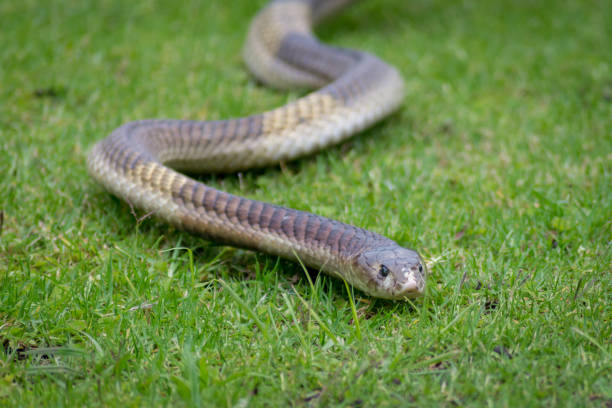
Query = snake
x=144 y=162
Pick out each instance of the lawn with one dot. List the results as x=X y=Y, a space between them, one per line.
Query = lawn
x=497 y=169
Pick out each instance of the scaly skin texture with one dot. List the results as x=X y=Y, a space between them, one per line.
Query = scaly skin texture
x=356 y=89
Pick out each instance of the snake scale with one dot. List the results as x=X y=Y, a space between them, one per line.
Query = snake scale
x=140 y=161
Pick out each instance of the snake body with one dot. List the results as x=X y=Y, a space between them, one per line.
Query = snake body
x=140 y=160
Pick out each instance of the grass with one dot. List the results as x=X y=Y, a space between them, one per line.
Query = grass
x=498 y=169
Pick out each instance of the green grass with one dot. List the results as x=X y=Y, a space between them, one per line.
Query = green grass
x=497 y=168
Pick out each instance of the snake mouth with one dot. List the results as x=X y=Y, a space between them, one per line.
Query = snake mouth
x=412 y=287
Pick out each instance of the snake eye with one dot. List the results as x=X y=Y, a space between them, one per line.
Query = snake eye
x=420 y=268
x=383 y=271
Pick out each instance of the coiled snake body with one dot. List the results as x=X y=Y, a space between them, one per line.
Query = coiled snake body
x=355 y=90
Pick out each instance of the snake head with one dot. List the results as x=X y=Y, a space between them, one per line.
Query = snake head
x=391 y=272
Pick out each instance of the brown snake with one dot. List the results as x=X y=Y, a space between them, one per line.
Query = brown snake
x=355 y=90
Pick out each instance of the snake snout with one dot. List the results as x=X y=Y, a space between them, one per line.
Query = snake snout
x=413 y=282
